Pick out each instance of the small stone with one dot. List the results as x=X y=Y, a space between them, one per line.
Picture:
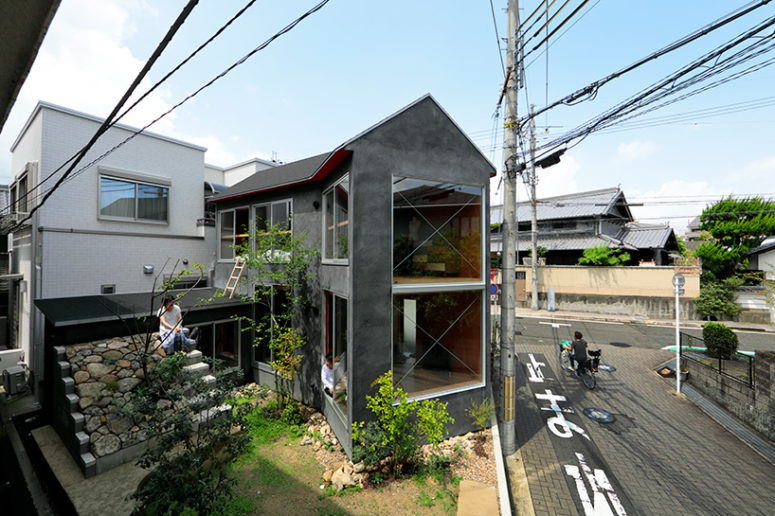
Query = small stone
x=127 y=384
x=98 y=370
x=135 y=428
x=124 y=363
x=106 y=445
x=112 y=356
x=81 y=376
x=116 y=344
x=139 y=373
x=104 y=401
x=341 y=479
x=358 y=467
x=85 y=402
x=125 y=373
x=93 y=359
x=92 y=424
x=108 y=378
x=103 y=419
x=89 y=389
x=103 y=430
x=327 y=474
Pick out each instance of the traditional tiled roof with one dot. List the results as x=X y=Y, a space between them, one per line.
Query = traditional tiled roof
x=595 y=203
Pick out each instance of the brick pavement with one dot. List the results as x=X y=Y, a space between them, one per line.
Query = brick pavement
x=666 y=453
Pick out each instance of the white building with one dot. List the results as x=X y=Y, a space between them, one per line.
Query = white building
x=117 y=226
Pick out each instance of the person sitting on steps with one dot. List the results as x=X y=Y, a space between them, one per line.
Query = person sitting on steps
x=171 y=331
x=578 y=351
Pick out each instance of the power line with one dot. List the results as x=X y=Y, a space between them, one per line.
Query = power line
x=497 y=38
x=592 y=88
x=148 y=92
x=237 y=63
x=106 y=123
x=681 y=80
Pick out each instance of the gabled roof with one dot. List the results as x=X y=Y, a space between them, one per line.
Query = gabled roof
x=594 y=203
x=646 y=236
x=316 y=168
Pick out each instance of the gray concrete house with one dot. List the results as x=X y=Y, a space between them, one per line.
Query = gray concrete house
x=568 y=224
x=399 y=214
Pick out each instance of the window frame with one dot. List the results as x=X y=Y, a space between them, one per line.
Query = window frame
x=136 y=182
x=331 y=334
x=257 y=363
x=324 y=204
x=437 y=287
x=234 y=235
x=210 y=326
x=270 y=210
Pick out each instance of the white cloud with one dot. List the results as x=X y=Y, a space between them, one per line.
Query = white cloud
x=557 y=180
x=636 y=150
x=675 y=202
x=756 y=176
x=84 y=64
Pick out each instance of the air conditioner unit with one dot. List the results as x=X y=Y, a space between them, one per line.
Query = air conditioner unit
x=14 y=380
x=10 y=358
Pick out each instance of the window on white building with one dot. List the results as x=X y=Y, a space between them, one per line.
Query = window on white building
x=132 y=200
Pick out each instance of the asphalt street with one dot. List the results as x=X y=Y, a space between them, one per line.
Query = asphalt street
x=630 y=334
x=660 y=455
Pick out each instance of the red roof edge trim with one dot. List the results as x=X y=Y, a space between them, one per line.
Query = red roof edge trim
x=322 y=172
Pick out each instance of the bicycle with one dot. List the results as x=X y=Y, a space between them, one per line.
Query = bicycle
x=586 y=370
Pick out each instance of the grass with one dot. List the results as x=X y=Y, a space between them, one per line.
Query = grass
x=277 y=474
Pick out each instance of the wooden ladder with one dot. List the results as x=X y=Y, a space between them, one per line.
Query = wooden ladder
x=236 y=273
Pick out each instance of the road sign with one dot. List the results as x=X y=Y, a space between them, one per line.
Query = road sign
x=679 y=280
x=493 y=289
x=679 y=291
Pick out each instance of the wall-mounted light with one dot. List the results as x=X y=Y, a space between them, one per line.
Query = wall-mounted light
x=185 y=261
x=147 y=269
x=316 y=205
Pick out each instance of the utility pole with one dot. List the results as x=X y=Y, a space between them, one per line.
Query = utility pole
x=533 y=215
x=508 y=357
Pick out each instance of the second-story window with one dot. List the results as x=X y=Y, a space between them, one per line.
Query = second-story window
x=336 y=239
x=132 y=200
x=233 y=229
x=274 y=215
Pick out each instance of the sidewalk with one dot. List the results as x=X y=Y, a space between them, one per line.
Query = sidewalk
x=592 y=316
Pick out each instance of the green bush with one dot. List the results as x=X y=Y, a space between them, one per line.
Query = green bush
x=720 y=340
x=481 y=413
x=400 y=426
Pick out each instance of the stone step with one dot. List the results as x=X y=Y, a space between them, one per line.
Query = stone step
x=192 y=357
x=199 y=368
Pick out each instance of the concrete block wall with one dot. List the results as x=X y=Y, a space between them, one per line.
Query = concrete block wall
x=68 y=421
x=646 y=307
x=755 y=407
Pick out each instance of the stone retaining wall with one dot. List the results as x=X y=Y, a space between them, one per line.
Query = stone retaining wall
x=93 y=381
x=755 y=407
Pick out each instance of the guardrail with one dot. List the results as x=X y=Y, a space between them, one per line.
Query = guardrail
x=740 y=366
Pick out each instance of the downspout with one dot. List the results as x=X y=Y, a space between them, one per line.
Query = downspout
x=37 y=345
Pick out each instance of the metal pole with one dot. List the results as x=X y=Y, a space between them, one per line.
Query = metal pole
x=533 y=215
x=508 y=358
x=677 y=342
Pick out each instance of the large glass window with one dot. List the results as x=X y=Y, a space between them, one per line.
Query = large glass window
x=125 y=199
x=336 y=240
x=437 y=339
x=273 y=215
x=220 y=340
x=233 y=229
x=437 y=232
x=270 y=313
x=336 y=345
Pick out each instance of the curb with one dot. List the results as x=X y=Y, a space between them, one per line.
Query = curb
x=503 y=488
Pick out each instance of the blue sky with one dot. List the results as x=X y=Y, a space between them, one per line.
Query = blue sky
x=355 y=62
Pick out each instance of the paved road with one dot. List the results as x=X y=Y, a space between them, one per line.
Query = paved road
x=629 y=334
x=662 y=455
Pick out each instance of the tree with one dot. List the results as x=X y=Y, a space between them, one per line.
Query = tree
x=720 y=341
x=602 y=255
x=278 y=257
x=717 y=298
x=733 y=227
x=192 y=439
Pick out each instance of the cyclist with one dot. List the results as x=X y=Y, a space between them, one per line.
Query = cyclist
x=579 y=351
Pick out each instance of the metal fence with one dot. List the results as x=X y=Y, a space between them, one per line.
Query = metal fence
x=739 y=366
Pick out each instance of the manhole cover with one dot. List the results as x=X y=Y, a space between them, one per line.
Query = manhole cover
x=599 y=415
x=620 y=344
x=605 y=367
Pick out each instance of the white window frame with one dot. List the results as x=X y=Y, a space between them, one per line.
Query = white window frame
x=219 y=225
x=324 y=203
x=136 y=181
x=431 y=287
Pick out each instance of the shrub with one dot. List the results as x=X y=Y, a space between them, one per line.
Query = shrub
x=400 y=425
x=481 y=413
x=720 y=340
